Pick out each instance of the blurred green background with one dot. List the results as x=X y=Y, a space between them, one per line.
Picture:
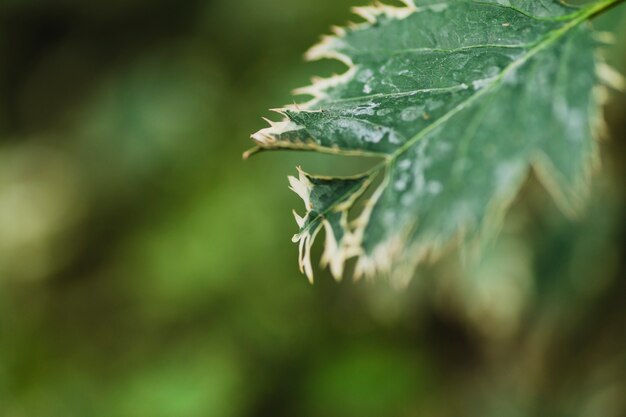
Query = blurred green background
x=146 y=270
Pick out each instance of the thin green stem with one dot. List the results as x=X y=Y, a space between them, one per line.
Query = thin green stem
x=599 y=8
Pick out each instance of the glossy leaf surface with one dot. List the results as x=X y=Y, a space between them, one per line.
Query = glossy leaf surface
x=459 y=100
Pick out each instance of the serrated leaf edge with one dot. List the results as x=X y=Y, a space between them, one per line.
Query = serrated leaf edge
x=386 y=256
x=336 y=252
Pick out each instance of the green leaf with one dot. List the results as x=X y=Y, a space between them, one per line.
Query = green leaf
x=459 y=100
x=327 y=201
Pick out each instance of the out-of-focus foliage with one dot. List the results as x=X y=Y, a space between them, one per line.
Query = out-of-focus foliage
x=143 y=265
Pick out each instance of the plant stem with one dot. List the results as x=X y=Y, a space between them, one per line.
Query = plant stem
x=599 y=8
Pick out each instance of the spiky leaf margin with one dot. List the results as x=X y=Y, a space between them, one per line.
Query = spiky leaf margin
x=328 y=200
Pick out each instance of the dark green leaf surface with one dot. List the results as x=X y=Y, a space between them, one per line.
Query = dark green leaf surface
x=460 y=100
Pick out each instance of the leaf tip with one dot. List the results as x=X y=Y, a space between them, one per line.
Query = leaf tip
x=251 y=152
